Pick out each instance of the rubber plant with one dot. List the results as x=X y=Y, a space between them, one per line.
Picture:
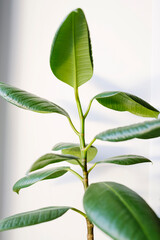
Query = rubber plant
x=114 y=208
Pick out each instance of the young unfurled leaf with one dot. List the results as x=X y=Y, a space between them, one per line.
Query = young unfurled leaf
x=29 y=101
x=39 y=176
x=144 y=130
x=120 y=212
x=50 y=158
x=71 y=56
x=74 y=149
x=121 y=101
x=32 y=217
x=125 y=160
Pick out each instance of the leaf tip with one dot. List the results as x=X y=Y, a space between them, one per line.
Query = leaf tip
x=16 y=191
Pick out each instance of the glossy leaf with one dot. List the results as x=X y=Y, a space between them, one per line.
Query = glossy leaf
x=144 y=130
x=39 y=176
x=29 y=101
x=120 y=212
x=125 y=160
x=71 y=57
x=121 y=101
x=74 y=150
x=31 y=218
x=50 y=158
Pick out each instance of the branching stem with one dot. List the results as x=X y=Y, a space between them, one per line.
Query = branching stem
x=90 y=235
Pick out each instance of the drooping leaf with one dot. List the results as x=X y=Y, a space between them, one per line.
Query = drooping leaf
x=50 y=158
x=32 y=217
x=29 y=101
x=120 y=212
x=39 y=176
x=71 y=56
x=74 y=149
x=121 y=101
x=125 y=160
x=145 y=130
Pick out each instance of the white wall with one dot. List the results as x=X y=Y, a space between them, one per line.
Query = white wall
x=121 y=34
x=155 y=83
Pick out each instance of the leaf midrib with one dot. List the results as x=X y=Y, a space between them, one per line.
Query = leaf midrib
x=127 y=96
x=127 y=206
x=125 y=128
x=74 y=50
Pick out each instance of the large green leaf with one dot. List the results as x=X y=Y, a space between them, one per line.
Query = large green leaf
x=145 y=130
x=74 y=149
x=120 y=212
x=125 y=160
x=29 y=101
x=39 y=176
x=33 y=217
x=50 y=158
x=71 y=56
x=121 y=101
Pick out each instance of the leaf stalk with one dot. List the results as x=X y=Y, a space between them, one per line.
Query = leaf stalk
x=91 y=168
x=89 y=145
x=72 y=126
x=88 y=109
x=75 y=173
x=80 y=212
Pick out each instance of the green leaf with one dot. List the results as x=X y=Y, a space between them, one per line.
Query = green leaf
x=71 y=55
x=121 y=101
x=74 y=149
x=39 y=176
x=50 y=158
x=125 y=160
x=29 y=101
x=31 y=218
x=145 y=130
x=62 y=145
x=120 y=212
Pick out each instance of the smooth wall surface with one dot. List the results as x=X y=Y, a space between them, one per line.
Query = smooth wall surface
x=154 y=196
x=122 y=42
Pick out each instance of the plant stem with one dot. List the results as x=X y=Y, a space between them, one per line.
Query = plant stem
x=78 y=211
x=75 y=173
x=90 y=235
x=88 y=109
x=72 y=126
x=91 y=168
x=89 y=145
